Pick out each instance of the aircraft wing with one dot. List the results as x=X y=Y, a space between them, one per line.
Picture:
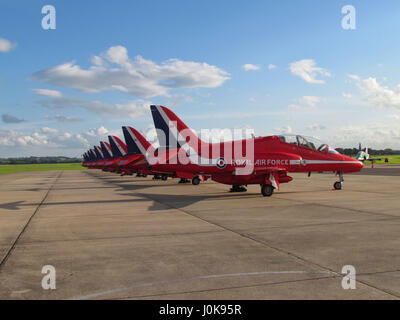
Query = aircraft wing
x=272 y=174
x=269 y=169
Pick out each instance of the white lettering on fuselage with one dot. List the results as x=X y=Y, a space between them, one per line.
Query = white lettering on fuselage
x=260 y=162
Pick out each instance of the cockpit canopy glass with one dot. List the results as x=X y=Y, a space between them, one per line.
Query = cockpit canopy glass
x=309 y=142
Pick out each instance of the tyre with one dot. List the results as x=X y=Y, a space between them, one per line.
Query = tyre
x=164 y=177
x=337 y=185
x=267 y=190
x=196 y=181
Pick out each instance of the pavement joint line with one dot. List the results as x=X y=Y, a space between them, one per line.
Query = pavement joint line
x=297 y=257
x=205 y=277
x=234 y=287
x=14 y=244
x=122 y=237
x=350 y=209
x=318 y=224
x=185 y=233
x=266 y=284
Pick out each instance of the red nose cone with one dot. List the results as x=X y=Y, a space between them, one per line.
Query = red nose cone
x=355 y=165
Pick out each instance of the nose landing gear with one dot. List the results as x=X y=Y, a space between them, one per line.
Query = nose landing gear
x=338 y=184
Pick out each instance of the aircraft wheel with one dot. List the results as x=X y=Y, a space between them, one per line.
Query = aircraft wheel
x=164 y=177
x=337 y=185
x=144 y=175
x=267 y=190
x=196 y=181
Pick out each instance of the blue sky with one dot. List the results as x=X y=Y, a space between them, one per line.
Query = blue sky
x=274 y=66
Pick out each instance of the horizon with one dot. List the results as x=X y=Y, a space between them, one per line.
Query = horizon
x=274 y=67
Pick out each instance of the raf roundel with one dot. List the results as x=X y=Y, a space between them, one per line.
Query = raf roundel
x=221 y=163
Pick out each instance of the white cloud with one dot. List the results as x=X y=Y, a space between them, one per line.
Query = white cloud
x=114 y=70
x=284 y=130
x=250 y=67
x=347 y=95
x=48 y=130
x=305 y=103
x=49 y=141
x=6 y=45
x=15 y=138
x=271 y=66
x=47 y=93
x=132 y=109
x=60 y=118
x=374 y=135
x=378 y=95
x=308 y=71
x=315 y=127
x=310 y=101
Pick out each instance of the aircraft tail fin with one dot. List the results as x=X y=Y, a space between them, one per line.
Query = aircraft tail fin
x=172 y=132
x=143 y=145
x=130 y=138
x=99 y=152
x=106 y=150
x=93 y=156
x=118 y=148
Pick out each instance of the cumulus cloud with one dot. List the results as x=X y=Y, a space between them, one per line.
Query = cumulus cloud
x=114 y=70
x=347 y=95
x=271 y=66
x=15 y=138
x=6 y=45
x=378 y=95
x=250 y=67
x=47 y=141
x=46 y=137
x=10 y=119
x=305 y=102
x=132 y=109
x=308 y=71
x=47 y=92
x=48 y=130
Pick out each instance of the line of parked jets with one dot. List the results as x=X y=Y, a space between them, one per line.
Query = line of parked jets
x=265 y=161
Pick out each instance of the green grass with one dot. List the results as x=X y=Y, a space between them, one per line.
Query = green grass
x=11 y=168
x=393 y=159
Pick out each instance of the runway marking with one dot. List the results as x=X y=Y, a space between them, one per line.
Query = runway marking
x=211 y=276
x=7 y=255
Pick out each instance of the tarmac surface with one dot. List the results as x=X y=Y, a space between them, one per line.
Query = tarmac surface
x=112 y=237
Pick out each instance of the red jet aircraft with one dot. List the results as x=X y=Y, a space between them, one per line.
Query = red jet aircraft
x=266 y=160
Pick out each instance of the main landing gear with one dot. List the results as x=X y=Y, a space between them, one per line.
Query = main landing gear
x=338 y=184
x=195 y=181
x=267 y=190
x=140 y=175
x=237 y=188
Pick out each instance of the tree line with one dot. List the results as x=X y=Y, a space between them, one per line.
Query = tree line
x=38 y=160
x=372 y=152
